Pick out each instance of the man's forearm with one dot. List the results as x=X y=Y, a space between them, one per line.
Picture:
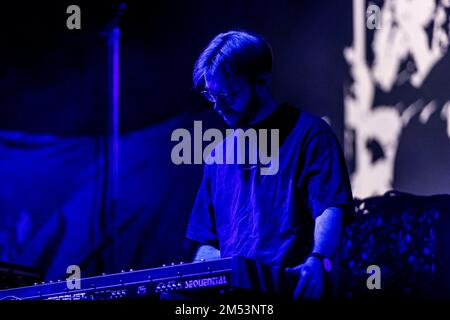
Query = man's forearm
x=328 y=231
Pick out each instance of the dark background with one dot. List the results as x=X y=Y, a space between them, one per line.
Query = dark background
x=53 y=120
x=54 y=79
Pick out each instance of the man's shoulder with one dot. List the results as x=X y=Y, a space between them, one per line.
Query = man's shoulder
x=309 y=124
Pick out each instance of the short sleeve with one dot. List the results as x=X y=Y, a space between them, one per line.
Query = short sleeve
x=324 y=181
x=201 y=227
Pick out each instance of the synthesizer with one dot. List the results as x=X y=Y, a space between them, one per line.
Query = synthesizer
x=176 y=281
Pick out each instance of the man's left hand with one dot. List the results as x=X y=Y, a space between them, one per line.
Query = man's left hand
x=311 y=279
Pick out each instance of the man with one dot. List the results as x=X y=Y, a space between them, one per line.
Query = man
x=292 y=219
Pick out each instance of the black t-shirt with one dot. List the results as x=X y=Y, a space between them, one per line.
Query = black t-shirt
x=270 y=218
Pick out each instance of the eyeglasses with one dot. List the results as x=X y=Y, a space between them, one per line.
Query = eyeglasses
x=227 y=98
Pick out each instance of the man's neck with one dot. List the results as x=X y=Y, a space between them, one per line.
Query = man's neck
x=267 y=107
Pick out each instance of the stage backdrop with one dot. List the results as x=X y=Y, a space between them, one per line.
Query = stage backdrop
x=397 y=104
x=383 y=87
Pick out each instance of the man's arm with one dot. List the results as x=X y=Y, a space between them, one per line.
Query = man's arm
x=328 y=231
x=207 y=252
x=327 y=237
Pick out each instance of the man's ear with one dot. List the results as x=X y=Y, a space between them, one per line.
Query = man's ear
x=263 y=80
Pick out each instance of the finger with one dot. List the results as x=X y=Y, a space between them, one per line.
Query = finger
x=296 y=269
x=315 y=294
x=303 y=284
x=310 y=290
x=319 y=293
x=299 y=288
x=293 y=276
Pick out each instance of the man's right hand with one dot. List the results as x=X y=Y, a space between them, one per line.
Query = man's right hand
x=310 y=280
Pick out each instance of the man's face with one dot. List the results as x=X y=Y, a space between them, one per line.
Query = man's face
x=234 y=99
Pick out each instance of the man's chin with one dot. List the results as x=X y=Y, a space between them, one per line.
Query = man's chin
x=232 y=122
x=230 y=119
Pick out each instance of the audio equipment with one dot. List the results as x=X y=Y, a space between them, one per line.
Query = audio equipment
x=203 y=279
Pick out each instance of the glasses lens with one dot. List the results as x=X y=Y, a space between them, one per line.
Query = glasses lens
x=208 y=96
